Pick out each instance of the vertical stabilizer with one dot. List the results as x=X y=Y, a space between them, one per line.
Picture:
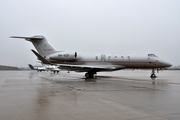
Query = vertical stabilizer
x=31 y=67
x=40 y=43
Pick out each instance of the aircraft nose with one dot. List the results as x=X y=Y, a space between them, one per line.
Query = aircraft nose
x=166 y=64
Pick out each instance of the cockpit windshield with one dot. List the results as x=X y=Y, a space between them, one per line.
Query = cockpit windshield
x=152 y=55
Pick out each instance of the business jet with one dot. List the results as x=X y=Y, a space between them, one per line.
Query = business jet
x=38 y=68
x=52 y=68
x=44 y=67
x=93 y=62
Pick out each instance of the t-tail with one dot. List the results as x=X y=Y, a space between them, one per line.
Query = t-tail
x=40 y=43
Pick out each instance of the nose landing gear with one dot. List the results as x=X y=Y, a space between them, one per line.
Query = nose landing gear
x=153 y=74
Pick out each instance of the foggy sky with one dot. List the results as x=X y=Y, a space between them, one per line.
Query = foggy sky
x=91 y=25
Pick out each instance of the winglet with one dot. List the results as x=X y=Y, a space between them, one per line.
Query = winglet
x=44 y=61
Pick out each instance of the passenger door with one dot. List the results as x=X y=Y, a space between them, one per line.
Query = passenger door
x=103 y=58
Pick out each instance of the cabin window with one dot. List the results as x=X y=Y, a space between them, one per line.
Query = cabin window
x=115 y=57
x=128 y=57
x=122 y=57
x=109 y=57
x=75 y=55
x=96 y=57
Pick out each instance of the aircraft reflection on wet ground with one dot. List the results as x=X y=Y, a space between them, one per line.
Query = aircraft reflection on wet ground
x=115 y=95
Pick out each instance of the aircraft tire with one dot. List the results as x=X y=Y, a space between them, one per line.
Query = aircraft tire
x=153 y=76
x=87 y=75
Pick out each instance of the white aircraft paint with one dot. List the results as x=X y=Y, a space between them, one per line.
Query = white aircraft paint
x=93 y=62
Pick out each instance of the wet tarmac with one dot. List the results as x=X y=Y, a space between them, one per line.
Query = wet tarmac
x=120 y=95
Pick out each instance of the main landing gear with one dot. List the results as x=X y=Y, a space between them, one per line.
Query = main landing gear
x=56 y=71
x=153 y=74
x=90 y=74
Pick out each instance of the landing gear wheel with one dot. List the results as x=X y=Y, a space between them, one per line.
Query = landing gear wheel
x=87 y=75
x=153 y=74
x=90 y=74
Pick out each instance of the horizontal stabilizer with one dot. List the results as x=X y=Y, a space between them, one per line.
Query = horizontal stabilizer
x=44 y=61
x=29 y=38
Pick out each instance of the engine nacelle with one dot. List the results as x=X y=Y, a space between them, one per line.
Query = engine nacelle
x=64 y=56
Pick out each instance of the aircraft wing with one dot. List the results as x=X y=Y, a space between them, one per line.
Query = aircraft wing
x=86 y=67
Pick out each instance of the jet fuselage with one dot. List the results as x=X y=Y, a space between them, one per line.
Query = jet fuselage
x=112 y=58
